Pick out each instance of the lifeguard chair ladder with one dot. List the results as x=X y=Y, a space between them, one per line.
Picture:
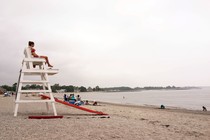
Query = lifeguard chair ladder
x=27 y=76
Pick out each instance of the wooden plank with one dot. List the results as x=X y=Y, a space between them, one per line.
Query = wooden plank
x=30 y=81
x=34 y=60
x=45 y=117
x=40 y=71
x=36 y=91
x=34 y=101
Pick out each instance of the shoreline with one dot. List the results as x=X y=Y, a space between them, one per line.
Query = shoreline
x=172 y=109
x=175 y=108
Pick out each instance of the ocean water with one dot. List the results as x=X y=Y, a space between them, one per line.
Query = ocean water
x=192 y=99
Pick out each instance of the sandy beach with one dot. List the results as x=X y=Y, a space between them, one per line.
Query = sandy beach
x=125 y=122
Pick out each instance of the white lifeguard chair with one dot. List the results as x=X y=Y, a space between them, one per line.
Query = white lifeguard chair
x=29 y=75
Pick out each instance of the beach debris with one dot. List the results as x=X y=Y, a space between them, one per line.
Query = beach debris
x=154 y=122
x=105 y=117
x=167 y=125
x=143 y=119
x=45 y=117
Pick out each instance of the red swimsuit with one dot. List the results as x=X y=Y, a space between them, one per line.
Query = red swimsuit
x=33 y=51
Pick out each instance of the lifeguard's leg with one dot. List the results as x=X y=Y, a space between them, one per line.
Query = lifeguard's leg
x=47 y=60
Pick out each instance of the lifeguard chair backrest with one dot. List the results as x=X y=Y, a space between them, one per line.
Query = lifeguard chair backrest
x=27 y=53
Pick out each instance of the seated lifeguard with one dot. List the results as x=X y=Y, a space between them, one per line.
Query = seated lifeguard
x=33 y=53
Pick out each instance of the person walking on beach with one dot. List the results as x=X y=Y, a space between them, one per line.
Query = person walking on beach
x=204 y=108
x=31 y=45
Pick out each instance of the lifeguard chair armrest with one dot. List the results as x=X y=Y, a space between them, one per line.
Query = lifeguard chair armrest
x=34 y=59
x=38 y=71
x=52 y=71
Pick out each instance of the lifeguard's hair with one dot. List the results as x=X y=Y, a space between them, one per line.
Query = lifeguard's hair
x=30 y=43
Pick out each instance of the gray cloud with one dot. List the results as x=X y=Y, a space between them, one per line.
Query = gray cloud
x=110 y=43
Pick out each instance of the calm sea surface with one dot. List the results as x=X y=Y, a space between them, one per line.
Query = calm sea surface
x=190 y=99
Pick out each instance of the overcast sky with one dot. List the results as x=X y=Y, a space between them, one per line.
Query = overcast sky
x=110 y=42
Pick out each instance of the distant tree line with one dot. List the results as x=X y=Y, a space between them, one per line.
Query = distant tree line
x=123 y=88
x=55 y=88
x=10 y=88
x=71 y=88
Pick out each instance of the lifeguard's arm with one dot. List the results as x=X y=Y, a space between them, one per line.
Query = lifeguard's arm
x=34 y=54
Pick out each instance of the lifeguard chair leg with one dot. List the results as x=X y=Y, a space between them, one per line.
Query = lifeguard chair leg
x=16 y=109
x=54 y=109
x=47 y=106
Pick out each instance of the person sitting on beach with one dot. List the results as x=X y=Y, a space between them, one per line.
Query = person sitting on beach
x=71 y=99
x=65 y=97
x=95 y=103
x=87 y=103
x=6 y=94
x=204 y=108
x=78 y=100
x=31 y=45
x=162 y=107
